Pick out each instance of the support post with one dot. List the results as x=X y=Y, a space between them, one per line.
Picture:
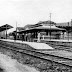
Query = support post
x=16 y=30
x=68 y=31
x=6 y=31
x=50 y=26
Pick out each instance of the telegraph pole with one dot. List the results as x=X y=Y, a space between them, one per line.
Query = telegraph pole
x=50 y=26
x=68 y=31
x=16 y=30
x=6 y=31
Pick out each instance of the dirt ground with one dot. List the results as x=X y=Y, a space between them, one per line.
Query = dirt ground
x=10 y=65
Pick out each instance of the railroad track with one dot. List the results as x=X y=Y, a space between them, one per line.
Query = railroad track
x=60 y=46
x=40 y=55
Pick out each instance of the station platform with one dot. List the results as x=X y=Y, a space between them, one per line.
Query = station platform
x=61 y=53
x=32 y=44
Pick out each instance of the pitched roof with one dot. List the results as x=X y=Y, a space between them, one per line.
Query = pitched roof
x=29 y=26
x=42 y=25
x=5 y=27
x=50 y=28
x=46 y=22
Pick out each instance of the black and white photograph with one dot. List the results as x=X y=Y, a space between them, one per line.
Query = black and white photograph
x=35 y=35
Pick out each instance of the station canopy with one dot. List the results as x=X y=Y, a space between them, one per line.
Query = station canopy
x=41 y=28
x=5 y=27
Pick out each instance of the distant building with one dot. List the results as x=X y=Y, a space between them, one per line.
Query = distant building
x=3 y=31
x=68 y=27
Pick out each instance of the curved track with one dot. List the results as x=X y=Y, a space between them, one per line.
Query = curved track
x=36 y=54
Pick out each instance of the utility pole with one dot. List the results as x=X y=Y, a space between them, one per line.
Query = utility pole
x=68 y=31
x=50 y=26
x=71 y=28
x=6 y=31
x=16 y=30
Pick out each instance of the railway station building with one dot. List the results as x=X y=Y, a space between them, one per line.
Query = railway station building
x=40 y=31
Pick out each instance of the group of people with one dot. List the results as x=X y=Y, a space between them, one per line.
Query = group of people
x=26 y=37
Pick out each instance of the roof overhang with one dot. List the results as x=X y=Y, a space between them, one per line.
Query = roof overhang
x=5 y=27
x=42 y=28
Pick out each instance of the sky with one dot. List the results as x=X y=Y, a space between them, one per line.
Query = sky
x=25 y=12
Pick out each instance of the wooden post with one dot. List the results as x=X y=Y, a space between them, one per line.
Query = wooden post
x=16 y=30
x=68 y=31
x=71 y=28
x=6 y=31
x=50 y=26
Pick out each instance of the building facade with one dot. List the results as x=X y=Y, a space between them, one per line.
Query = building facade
x=68 y=27
x=40 y=31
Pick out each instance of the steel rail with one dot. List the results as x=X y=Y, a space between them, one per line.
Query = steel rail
x=36 y=54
